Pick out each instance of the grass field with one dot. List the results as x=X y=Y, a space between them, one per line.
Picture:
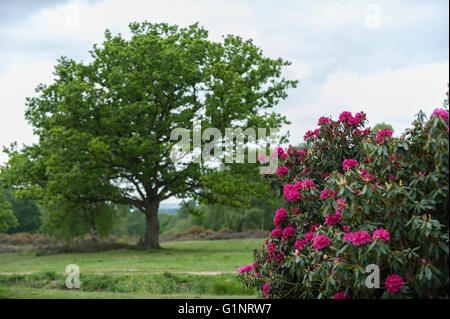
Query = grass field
x=183 y=269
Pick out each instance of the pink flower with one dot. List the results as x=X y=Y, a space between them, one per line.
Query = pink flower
x=348 y=236
x=309 y=237
x=272 y=248
x=288 y=231
x=299 y=185
x=310 y=134
x=308 y=183
x=300 y=244
x=366 y=176
x=280 y=216
x=278 y=151
x=341 y=295
x=381 y=134
x=295 y=210
x=360 y=238
x=349 y=163
x=345 y=116
x=323 y=120
x=341 y=204
x=282 y=170
x=332 y=220
x=391 y=178
x=381 y=233
x=245 y=269
x=321 y=241
x=422 y=174
x=326 y=193
x=291 y=193
x=313 y=227
x=394 y=283
x=266 y=288
x=346 y=228
x=302 y=153
x=441 y=113
x=276 y=233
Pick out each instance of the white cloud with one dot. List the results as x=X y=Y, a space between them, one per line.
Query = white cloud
x=388 y=96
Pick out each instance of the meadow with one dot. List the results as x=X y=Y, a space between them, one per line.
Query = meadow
x=181 y=269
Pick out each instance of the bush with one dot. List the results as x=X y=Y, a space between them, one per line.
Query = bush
x=355 y=198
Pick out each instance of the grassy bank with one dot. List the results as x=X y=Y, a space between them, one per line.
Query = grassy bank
x=184 y=269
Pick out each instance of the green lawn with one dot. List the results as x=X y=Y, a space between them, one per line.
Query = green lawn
x=181 y=256
x=184 y=269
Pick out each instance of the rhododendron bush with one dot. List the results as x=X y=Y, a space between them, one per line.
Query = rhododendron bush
x=353 y=199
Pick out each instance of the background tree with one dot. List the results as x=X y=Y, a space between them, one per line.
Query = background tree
x=27 y=212
x=7 y=218
x=104 y=127
x=381 y=126
x=67 y=220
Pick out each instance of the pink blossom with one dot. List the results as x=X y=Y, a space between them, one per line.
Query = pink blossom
x=266 y=288
x=288 y=231
x=291 y=193
x=300 y=244
x=341 y=204
x=332 y=220
x=348 y=236
x=321 y=241
x=309 y=237
x=441 y=113
x=394 y=283
x=341 y=295
x=381 y=233
x=308 y=183
x=349 y=163
x=422 y=174
x=323 y=120
x=345 y=116
x=326 y=193
x=366 y=175
x=245 y=269
x=346 y=228
x=360 y=238
x=381 y=134
x=282 y=170
x=313 y=227
x=275 y=233
x=280 y=215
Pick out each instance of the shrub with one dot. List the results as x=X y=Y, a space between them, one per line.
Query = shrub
x=355 y=198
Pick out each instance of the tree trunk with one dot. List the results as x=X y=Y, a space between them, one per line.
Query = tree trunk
x=151 y=238
x=94 y=233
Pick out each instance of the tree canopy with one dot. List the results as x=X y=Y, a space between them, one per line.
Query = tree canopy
x=104 y=127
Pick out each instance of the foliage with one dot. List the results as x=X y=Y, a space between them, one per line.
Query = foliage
x=357 y=198
x=65 y=220
x=7 y=218
x=27 y=212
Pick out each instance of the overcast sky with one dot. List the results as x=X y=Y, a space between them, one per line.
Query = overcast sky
x=387 y=58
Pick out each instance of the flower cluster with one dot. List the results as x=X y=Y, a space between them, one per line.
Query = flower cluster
x=381 y=134
x=394 y=283
x=349 y=163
